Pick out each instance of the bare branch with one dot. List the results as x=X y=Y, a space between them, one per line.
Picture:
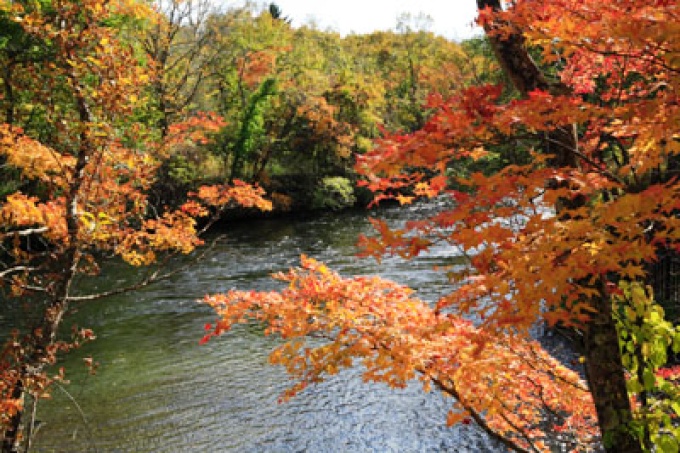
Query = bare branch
x=27 y=232
x=15 y=269
x=154 y=277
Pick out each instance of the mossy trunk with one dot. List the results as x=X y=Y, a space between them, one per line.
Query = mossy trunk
x=607 y=381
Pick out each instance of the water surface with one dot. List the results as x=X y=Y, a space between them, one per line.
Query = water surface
x=157 y=390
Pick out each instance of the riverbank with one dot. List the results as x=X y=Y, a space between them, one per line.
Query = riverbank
x=303 y=196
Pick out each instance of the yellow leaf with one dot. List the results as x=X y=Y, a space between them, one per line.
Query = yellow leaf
x=478 y=153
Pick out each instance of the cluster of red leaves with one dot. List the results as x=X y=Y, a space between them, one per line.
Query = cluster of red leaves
x=195 y=129
x=670 y=373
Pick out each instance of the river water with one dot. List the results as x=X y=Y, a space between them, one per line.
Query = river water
x=157 y=390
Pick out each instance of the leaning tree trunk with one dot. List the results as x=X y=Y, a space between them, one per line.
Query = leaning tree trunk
x=37 y=354
x=604 y=369
x=34 y=364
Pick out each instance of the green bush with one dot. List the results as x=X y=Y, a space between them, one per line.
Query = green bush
x=181 y=171
x=334 y=192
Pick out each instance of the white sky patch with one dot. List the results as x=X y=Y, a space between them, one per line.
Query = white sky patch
x=453 y=19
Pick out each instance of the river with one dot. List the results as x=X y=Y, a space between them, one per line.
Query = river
x=157 y=390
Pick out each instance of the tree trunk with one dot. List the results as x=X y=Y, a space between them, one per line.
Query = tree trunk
x=604 y=369
x=10 y=100
x=45 y=335
x=607 y=381
x=10 y=437
x=512 y=54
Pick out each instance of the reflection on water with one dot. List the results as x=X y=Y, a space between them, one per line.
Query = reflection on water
x=157 y=390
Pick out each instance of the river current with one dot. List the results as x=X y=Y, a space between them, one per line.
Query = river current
x=157 y=390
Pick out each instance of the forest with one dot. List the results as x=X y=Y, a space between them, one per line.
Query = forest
x=129 y=128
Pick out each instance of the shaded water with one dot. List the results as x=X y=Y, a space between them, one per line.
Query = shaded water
x=157 y=390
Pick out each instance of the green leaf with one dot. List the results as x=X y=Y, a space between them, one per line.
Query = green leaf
x=634 y=386
x=649 y=379
x=666 y=444
x=676 y=407
x=658 y=356
x=676 y=342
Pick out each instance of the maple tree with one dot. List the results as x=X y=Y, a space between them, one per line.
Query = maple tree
x=83 y=194
x=569 y=238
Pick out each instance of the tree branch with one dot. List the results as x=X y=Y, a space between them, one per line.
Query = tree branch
x=27 y=232
x=16 y=269
x=154 y=277
x=453 y=391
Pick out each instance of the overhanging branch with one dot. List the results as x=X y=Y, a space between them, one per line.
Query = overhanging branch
x=154 y=277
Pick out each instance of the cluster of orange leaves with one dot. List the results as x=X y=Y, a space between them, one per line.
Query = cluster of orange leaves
x=397 y=337
x=239 y=194
x=113 y=207
x=255 y=66
x=327 y=129
x=519 y=250
x=195 y=129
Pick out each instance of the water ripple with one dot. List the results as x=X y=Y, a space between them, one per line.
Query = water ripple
x=157 y=390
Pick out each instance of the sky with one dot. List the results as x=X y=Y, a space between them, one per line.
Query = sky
x=451 y=18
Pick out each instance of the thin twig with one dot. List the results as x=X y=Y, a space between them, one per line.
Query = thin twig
x=27 y=232
x=16 y=269
x=152 y=278
x=82 y=415
x=587 y=159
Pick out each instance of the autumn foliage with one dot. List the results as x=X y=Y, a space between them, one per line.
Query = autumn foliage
x=84 y=184
x=569 y=238
x=397 y=337
x=117 y=117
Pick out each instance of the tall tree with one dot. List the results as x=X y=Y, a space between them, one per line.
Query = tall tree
x=606 y=374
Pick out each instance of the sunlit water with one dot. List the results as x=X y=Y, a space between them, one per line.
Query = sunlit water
x=157 y=390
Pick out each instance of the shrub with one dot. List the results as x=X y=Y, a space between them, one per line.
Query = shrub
x=334 y=192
